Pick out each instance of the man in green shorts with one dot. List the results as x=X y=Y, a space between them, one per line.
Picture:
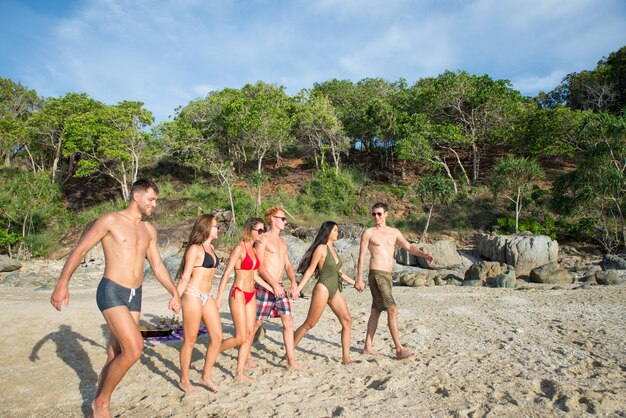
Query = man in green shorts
x=381 y=240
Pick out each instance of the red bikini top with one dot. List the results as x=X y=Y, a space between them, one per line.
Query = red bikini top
x=247 y=264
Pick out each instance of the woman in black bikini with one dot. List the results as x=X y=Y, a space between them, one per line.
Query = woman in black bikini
x=196 y=273
x=242 y=299
x=321 y=258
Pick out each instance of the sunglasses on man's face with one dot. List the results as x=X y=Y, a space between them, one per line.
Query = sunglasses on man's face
x=375 y=214
x=259 y=231
x=282 y=218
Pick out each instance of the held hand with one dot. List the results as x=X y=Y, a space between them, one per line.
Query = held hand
x=279 y=290
x=60 y=297
x=174 y=304
x=294 y=292
x=428 y=257
x=359 y=285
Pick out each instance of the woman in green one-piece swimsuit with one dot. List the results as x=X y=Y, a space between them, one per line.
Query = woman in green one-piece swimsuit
x=322 y=258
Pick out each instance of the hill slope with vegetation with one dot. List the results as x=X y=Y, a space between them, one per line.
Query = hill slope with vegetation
x=452 y=154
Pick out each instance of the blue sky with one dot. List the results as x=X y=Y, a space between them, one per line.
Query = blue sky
x=168 y=52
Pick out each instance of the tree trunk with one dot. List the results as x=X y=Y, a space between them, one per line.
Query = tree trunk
x=447 y=169
x=518 y=207
x=458 y=160
x=621 y=218
x=57 y=157
x=124 y=184
x=258 y=186
x=233 y=221
x=425 y=232
x=475 y=162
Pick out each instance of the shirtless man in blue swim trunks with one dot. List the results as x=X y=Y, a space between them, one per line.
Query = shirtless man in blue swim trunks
x=127 y=240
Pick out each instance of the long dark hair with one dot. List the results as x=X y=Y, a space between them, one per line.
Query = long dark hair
x=199 y=233
x=321 y=238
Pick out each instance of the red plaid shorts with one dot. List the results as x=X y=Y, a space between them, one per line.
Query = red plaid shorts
x=269 y=306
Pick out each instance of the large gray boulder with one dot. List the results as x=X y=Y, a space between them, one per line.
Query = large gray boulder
x=483 y=271
x=614 y=262
x=413 y=279
x=507 y=279
x=551 y=274
x=524 y=253
x=610 y=277
x=348 y=252
x=8 y=264
x=296 y=249
x=444 y=252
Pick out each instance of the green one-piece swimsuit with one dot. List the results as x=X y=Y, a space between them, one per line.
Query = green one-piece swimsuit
x=330 y=276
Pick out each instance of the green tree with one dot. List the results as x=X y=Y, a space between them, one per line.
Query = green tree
x=486 y=111
x=425 y=141
x=29 y=203
x=558 y=131
x=434 y=189
x=596 y=189
x=318 y=127
x=109 y=140
x=512 y=177
x=17 y=104
x=261 y=120
x=602 y=89
x=48 y=129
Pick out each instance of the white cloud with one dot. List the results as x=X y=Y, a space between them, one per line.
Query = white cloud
x=169 y=52
x=532 y=84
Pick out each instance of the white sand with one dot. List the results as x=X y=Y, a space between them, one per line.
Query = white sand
x=479 y=351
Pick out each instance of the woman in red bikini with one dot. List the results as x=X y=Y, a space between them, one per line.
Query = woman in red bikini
x=242 y=297
x=196 y=273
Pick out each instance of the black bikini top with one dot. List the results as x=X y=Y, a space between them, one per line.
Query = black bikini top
x=209 y=262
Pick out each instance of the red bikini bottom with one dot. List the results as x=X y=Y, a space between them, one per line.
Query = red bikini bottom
x=247 y=295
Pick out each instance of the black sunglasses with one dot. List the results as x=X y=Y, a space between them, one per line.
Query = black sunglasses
x=259 y=231
x=282 y=218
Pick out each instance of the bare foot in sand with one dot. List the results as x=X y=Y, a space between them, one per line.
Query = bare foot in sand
x=100 y=410
x=186 y=386
x=206 y=381
x=244 y=378
x=403 y=353
x=371 y=352
x=294 y=365
x=347 y=361
x=250 y=364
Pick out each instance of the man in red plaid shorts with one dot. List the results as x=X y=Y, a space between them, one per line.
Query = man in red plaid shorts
x=272 y=251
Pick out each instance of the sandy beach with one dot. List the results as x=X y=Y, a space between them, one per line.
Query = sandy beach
x=538 y=351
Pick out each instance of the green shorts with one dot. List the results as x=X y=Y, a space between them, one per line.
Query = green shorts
x=380 y=285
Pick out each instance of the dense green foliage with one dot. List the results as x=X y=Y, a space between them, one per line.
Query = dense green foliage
x=511 y=225
x=31 y=211
x=330 y=193
x=469 y=132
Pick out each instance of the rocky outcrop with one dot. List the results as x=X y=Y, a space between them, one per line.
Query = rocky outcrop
x=614 y=262
x=610 y=277
x=413 y=279
x=444 y=252
x=551 y=274
x=8 y=264
x=524 y=253
x=506 y=279
x=483 y=271
x=348 y=252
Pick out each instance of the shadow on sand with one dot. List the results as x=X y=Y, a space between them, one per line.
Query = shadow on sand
x=71 y=352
